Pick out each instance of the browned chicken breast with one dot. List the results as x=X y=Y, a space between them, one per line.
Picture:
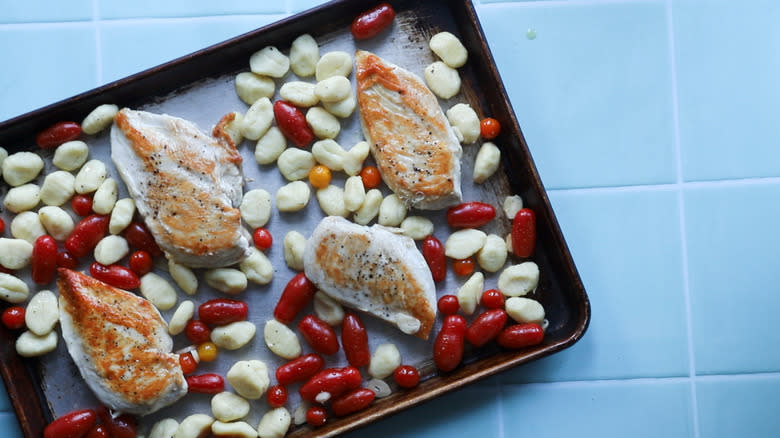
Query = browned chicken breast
x=373 y=269
x=411 y=140
x=120 y=344
x=186 y=184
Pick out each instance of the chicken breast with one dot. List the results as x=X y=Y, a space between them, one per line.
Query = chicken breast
x=120 y=344
x=186 y=184
x=413 y=144
x=373 y=269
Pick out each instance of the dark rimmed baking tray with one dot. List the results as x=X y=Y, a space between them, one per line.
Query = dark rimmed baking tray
x=560 y=290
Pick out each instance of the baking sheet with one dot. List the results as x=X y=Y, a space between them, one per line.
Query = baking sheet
x=207 y=98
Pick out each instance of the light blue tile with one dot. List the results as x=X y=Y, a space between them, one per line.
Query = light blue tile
x=5 y=403
x=732 y=244
x=183 y=8
x=51 y=63
x=44 y=11
x=302 y=5
x=9 y=425
x=726 y=56
x=469 y=412
x=605 y=409
x=592 y=91
x=627 y=248
x=743 y=406
x=166 y=40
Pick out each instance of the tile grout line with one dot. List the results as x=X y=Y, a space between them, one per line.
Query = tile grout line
x=681 y=207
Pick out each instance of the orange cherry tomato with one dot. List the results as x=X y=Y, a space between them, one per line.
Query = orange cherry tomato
x=489 y=128
x=463 y=267
x=319 y=176
x=371 y=177
x=207 y=351
x=187 y=363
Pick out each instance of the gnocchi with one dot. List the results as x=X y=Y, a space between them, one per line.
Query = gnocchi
x=228 y=280
x=523 y=309
x=28 y=344
x=269 y=61
x=329 y=153
x=486 y=162
x=234 y=335
x=470 y=293
x=304 y=54
x=71 y=155
x=270 y=146
x=294 y=244
x=342 y=108
x=111 y=249
x=21 y=167
x=257 y=267
x=442 y=79
x=180 y=317
x=449 y=49
x=233 y=429
x=251 y=87
x=158 y=291
x=464 y=243
x=353 y=162
x=15 y=253
x=293 y=196
x=58 y=187
x=385 y=359
x=274 y=423
x=282 y=341
x=258 y=119
x=255 y=207
x=300 y=94
x=354 y=193
x=56 y=221
x=295 y=164
x=323 y=123
x=328 y=309
x=512 y=204
x=463 y=117
x=333 y=89
x=90 y=176
x=334 y=63
x=184 y=277
x=249 y=378
x=99 y=118
x=27 y=226
x=331 y=200
x=519 y=280
x=417 y=227
x=492 y=256
x=42 y=313
x=164 y=428
x=121 y=215
x=392 y=211
x=12 y=289
x=22 y=198
x=194 y=426
x=105 y=196
x=370 y=207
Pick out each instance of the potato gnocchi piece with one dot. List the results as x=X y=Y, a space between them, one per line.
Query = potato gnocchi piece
x=342 y=108
x=12 y=289
x=333 y=89
x=27 y=226
x=299 y=93
x=370 y=207
x=323 y=123
x=299 y=415
x=282 y=341
x=380 y=387
x=257 y=267
x=71 y=155
x=328 y=309
x=228 y=280
x=15 y=253
x=21 y=167
x=295 y=164
x=258 y=119
x=293 y=196
x=158 y=291
x=181 y=317
x=58 y=187
x=184 y=277
x=512 y=204
x=392 y=211
x=464 y=243
x=251 y=87
x=354 y=193
x=486 y=162
x=470 y=293
x=331 y=64
x=105 y=196
x=523 y=309
x=90 y=176
x=385 y=359
x=164 y=428
x=22 y=198
x=417 y=227
x=274 y=423
x=255 y=207
x=28 y=344
x=294 y=244
x=353 y=162
x=270 y=146
x=3 y=156
x=492 y=256
x=304 y=55
x=518 y=280
x=249 y=378
x=121 y=215
x=463 y=117
x=233 y=429
x=56 y=221
x=449 y=49
x=42 y=313
x=194 y=426
x=99 y=118
x=234 y=335
x=111 y=249
x=269 y=61
x=329 y=153
x=442 y=79
x=331 y=200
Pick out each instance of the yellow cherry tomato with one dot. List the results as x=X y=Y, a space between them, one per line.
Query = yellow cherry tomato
x=207 y=351
x=319 y=176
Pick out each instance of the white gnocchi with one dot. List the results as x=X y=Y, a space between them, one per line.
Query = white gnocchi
x=56 y=221
x=464 y=243
x=299 y=93
x=27 y=226
x=270 y=146
x=105 y=196
x=354 y=193
x=442 y=79
x=470 y=292
x=519 y=280
x=181 y=317
x=295 y=164
x=333 y=89
x=228 y=280
x=21 y=167
x=71 y=155
x=282 y=341
x=251 y=87
x=294 y=244
x=463 y=117
x=492 y=256
x=121 y=215
x=512 y=204
x=258 y=119
x=90 y=176
x=384 y=360
x=249 y=378
x=486 y=162
x=417 y=227
x=449 y=49
x=111 y=249
x=322 y=123
x=392 y=211
x=12 y=289
x=293 y=196
x=329 y=153
x=194 y=426
x=184 y=277
x=370 y=207
x=336 y=63
x=269 y=61
x=22 y=198
x=15 y=253
x=28 y=344
x=99 y=118
x=274 y=423
x=257 y=267
x=158 y=291
x=342 y=108
x=234 y=335
x=42 y=313
x=255 y=208
x=328 y=309
x=523 y=309
x=58 y=187
x=304 y=54
x=331 y=201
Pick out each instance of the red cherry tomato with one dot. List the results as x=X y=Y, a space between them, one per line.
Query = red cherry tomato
x=333 y=381
x=371 y=177
x=433 y=252
x=98 y=431
x=86 y=235
x=123 y=426
x=448 y=305
x=81 y=205
x=277 y=396
x=492 y=299
x=197 y=332
x=115 y=275
x=43 y=264
x=222 y=311
x=489 y=128
x=370 y=23
x=299 y=369
x=406 y=376
x=187 y=363
x=140 y=262
x=524 y=233
x=449 y=344
x=292 y=123
x=316 y=416
x=486 y=327
x=463 y=267
x=521 y=335
x=353 y=401
x=354 y=338
x=470 y=214
x=208 y=383
x=2 y=225
x=262 y=239
x=58 y=134
x=296 y=295
x=74 y=424
x=66 y=260
x=13 y=317
x=319 y=335
x=139 y=237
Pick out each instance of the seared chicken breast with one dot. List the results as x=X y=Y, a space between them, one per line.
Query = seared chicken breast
x=413 y=144
x=186 y=184
x=120 y=344
x=373 y=269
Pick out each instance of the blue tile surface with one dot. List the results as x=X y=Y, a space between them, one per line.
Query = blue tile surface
x=592 y=90
x=734 y=303
x=183 y=8
x=45 y=11
x=741 y=406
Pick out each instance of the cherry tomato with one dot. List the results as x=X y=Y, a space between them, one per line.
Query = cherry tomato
x=489 y=128
x=299 y=369
x=319 y=335
x=98 y=431
x=354 y=338
x=406 y=376
x=5 y=270
x=371 y=177
x=316 y=416
x=463 y=267
x=370 y=23
x=334 y=381
x=140 y=262
x=139 y=237
x=448 y=305
x=86 y=235
x=521 y=335
x=492 y=299
x=222 y=311
x=524 y=233
x=319 y=176
x=277 y=396
x=486 y=327
x=187 y=363
x=295 y=296
x=43 y=263
x=208 y=383
x=123 y=426
x=2 y=225
x=449 y=344
x=433 y=252
x=58 y=134
x=470 y=214
x=115 y=275
x=353 y=401
x=66 y=260
x=208 y=351
x=81 y=205
x=13 y=317
x=262 y=238
x=197 y=331
x=292 y=123
x=74 y=424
